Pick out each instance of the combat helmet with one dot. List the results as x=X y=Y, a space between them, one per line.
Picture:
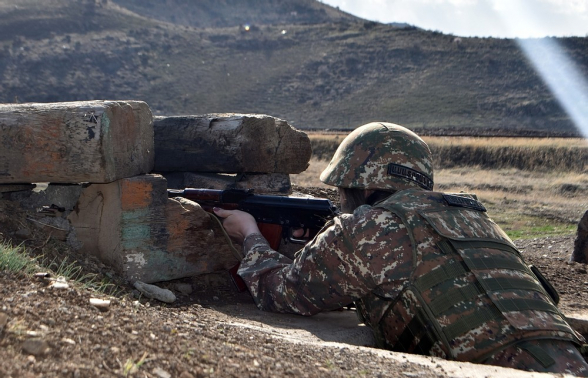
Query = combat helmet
x=381 y=156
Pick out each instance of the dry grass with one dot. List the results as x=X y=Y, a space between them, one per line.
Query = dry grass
x=507 y=142
x=537 y=154
x=310 y=177
x=473 y=141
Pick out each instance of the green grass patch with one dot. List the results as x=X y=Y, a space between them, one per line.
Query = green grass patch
x=14 y=259
x=72 y=271
x=131 y=367
x=527 y=227
x=17 y=260
x=541 y=231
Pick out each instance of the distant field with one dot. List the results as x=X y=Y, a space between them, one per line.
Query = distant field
x=531 y=187
x=568 y=154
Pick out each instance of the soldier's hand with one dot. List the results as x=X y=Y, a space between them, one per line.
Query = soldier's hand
x=301 y=233
x=238 y=224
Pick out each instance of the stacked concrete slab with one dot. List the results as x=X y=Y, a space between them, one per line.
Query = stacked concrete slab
x=107 y=163
x=245 y=151
x=73 y=142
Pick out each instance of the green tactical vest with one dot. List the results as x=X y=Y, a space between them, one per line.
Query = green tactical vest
x=470 y=293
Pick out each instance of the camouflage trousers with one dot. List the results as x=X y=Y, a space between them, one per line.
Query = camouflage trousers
x=543 y=356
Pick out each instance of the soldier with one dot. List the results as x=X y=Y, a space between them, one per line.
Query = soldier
x=429 y=272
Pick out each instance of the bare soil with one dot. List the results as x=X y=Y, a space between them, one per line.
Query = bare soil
x=212 y=330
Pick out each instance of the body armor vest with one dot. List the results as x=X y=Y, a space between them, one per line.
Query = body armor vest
x=470 y=293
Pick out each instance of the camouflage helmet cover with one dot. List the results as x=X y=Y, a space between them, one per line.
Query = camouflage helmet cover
x=381 y=156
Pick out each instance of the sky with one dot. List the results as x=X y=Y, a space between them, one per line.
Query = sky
x=479 y=18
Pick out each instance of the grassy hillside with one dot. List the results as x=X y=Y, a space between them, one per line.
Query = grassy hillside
x=330 y=71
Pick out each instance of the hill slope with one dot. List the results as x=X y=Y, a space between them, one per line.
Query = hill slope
x=226 y=13
x=329 y=70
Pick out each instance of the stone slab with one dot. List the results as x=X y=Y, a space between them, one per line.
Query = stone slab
x=229 y=143
x=75 y=142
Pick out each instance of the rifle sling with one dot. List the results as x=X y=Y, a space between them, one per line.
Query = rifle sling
x=236 y=252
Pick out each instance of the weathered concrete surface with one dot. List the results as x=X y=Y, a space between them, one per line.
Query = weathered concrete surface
x=229 y=143
x=271 y=183
x=75 y=142
x=132 y=226
x=580 y=253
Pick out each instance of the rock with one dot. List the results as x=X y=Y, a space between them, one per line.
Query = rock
x=580 y=253
x=101 y=304
x=161 y=373
x=54 y=200
x=22 y=233
x=3 y=321
x=58 y=228
x=60 y=283
x=155 y=292
x=183 y=288
x=15 y=187
x=35 y=347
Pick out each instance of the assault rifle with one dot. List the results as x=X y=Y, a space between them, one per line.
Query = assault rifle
x=276 y=216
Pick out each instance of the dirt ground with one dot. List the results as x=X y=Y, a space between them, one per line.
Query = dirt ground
x=212 y=330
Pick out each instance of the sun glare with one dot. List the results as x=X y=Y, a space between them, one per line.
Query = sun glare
x=562 y=76
x=557 y=69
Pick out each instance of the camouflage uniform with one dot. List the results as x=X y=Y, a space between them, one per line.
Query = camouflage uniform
x=427 y=299
x=430 y=273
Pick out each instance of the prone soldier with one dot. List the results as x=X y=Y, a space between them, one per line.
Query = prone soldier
x=429 y=272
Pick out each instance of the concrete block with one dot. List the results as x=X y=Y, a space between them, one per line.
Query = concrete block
x=229 y=143
x=133 y=226
x=75 y=142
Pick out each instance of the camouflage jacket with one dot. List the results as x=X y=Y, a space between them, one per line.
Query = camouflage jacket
x=429 y=272
x=353 y=255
